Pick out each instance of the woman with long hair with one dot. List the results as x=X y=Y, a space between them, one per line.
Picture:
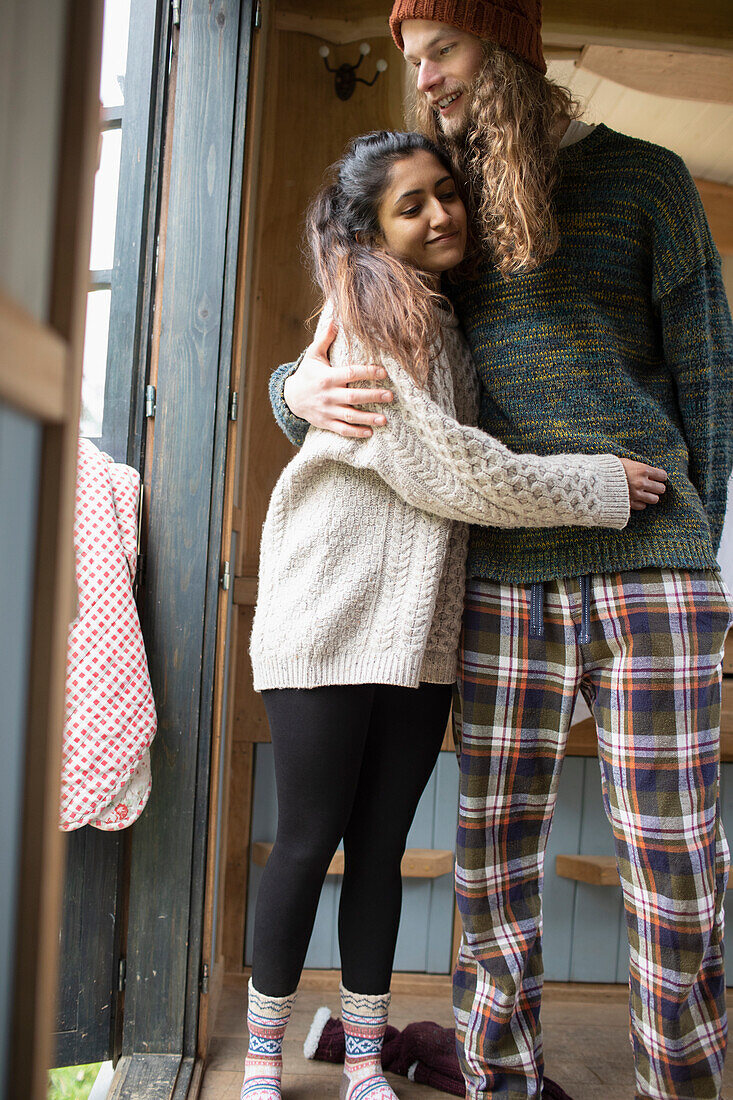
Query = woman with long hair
x=362 y=572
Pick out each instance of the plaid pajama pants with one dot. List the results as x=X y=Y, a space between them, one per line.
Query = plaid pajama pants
x=645 y=649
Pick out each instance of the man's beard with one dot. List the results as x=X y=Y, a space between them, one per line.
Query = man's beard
x=456 y=131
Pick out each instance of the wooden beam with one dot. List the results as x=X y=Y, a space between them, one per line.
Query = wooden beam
x=677 y=74
x=717 y=198
x=665 y=24
x=416 y=862
x=582 y=739
x=407 y=982
x=337 y=31
x=146 y=1075
x=563 y=53
x=33 y=363
x=595 y=870
x=245 y=591
x=675 y=24
x=226 y=631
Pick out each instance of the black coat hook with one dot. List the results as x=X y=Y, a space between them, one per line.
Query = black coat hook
x=345 y=75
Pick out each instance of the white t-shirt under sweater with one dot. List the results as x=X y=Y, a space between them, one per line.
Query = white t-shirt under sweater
x=363 y=555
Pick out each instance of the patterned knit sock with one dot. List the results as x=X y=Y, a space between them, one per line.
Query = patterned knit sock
x=267 y=1018
x=365 y=1021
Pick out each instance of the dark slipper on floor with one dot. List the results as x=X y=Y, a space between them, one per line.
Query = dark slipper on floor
x=551 y=1091
x=424 y=1053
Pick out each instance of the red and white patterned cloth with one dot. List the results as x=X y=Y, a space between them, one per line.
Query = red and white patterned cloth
x=110 y=711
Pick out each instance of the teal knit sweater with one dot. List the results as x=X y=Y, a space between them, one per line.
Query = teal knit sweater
x=621 y=342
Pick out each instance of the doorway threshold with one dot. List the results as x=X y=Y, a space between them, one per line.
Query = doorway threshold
x=156 y=1077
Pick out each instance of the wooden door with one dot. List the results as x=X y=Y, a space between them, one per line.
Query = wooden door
x=298 y=127
x=91 y=964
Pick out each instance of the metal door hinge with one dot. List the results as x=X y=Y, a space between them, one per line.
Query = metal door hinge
x=151 y=402
x=122 y=975
x=176 y=12
x=234 y=405
x=205 y=978
x=226 y=577
x=139 y=574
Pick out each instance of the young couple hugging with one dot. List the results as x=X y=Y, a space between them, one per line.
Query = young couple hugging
x=520 y=399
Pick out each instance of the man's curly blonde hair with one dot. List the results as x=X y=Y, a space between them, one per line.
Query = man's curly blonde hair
x=508 y=156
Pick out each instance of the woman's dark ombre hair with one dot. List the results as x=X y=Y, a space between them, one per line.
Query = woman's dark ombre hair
x=379 y=300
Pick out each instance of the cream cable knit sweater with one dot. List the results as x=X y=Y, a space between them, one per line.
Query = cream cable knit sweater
x=363 y=556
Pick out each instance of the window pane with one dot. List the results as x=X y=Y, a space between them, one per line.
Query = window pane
x=114 y=52
x=95 y=363
x=105 y=202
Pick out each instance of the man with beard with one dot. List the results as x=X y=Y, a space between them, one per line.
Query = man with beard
x=598 y=322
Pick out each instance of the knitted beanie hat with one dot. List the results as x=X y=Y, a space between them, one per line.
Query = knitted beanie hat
x=516 y=25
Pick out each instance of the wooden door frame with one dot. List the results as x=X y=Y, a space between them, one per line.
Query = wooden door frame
x=572 y=23
x=40 y=374
x=183 y=606
x=245 y=140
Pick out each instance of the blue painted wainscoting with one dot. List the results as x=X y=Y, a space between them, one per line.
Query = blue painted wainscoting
x=424 y=942
x=584 y=929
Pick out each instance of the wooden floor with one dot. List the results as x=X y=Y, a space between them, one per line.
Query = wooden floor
x=586 y=1043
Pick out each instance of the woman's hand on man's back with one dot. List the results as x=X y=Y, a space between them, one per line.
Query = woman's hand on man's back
x=646 y=483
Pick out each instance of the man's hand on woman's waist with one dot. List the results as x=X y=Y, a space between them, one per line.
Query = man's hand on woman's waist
x=320 y=394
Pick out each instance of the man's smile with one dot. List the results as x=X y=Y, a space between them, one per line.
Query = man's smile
x=444 y=103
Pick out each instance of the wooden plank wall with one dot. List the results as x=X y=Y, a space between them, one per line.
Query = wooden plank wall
x=304 y=128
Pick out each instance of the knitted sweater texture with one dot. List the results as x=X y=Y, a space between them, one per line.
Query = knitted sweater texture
x=362 y=566
x=621 y=342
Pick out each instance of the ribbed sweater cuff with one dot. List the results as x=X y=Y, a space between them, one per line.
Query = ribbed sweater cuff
x=294 y=428
x=614 y=491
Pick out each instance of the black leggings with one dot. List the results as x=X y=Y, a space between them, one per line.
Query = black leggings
x=350 y=762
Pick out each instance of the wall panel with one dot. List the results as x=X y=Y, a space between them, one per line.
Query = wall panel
x=20 y=450
x=424 y=941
